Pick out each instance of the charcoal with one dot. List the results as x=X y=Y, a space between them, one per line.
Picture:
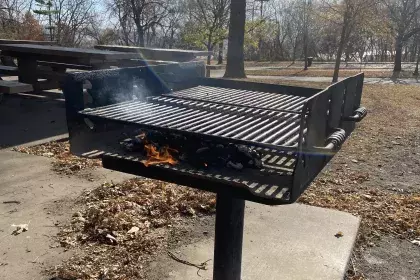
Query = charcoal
x=207 y=157
x=235 y=165
x=194 y=151
x=133 y=145
x=246 y=156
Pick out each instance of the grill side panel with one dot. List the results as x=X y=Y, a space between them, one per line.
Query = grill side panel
x=327 y=112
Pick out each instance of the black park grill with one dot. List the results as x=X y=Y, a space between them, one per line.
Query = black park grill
x=242 y=140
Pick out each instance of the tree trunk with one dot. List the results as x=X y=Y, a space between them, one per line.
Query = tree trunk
x=416 y=71
x=398 y=55
x=235 y=57
x=220 y=56
x=171 y=41
x=340 y=48
x=305 y=35
x=140 y=32
x=209 y=49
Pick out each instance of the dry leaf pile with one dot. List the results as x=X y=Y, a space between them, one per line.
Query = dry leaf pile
x=123 y=225
x=65 y=162
x=382 y=212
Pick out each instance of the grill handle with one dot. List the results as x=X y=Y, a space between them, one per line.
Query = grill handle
x=358 y=115
x=336 y=139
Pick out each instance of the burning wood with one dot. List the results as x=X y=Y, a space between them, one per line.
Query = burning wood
x=169 y=148
x=156 y=157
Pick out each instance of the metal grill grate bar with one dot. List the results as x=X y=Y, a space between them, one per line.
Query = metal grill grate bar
x=273 y=115
x=230 y=124
x=189 y=123
x=218 y=112
x=263 y=100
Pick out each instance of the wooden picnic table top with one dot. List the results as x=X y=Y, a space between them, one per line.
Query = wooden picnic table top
x=10 y=41
x=139 y=49
x=58 y=51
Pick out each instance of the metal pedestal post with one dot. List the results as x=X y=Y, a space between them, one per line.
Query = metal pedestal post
x=228 y=237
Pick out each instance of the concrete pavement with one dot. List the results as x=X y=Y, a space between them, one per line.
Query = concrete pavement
x=30 y=193
x=295 y=242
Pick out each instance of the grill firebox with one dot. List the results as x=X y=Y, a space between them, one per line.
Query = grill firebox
x=295 y=130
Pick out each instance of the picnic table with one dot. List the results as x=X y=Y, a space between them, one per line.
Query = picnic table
x=8 y=61
x=10 y=41
x=156 y=53
x=59 y=59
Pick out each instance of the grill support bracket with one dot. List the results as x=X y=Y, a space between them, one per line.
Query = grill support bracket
x=228 y=238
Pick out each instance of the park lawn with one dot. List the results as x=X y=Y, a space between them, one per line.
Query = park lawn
x=369 y=73
x=273 y=63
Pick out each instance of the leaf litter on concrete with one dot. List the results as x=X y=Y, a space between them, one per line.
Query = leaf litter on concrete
x=123 y=226
x=64 y=162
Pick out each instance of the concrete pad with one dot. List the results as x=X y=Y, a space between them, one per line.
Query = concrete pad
x=284 y=242
x=24 y=120
x=45 y=200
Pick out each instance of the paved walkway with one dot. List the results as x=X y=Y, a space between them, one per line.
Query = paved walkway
x=380 y=81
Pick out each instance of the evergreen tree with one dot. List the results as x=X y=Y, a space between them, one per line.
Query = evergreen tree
x=45 y=9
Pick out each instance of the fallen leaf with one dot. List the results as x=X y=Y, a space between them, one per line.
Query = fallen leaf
x=339 y=234
x=133 y=230
x=112 y=238
x=416 y=242
x=20 y=228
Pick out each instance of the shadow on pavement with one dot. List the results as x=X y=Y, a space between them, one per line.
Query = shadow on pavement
x=26 y=118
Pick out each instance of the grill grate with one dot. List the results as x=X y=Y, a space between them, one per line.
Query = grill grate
x=252 y=99
x=231 y=122
x=269 y=184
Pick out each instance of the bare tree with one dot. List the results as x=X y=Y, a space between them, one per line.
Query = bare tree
x=12 y=12
x=402 y=14
x=235 y=57
x=139 y=19
x=171 y=24
x=352 y=13
x=72 y=20
x=146 y=14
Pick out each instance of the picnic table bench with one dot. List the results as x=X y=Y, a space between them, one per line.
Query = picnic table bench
x=156 y=53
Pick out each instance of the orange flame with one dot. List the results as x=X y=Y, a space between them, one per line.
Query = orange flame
x=156 y=157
